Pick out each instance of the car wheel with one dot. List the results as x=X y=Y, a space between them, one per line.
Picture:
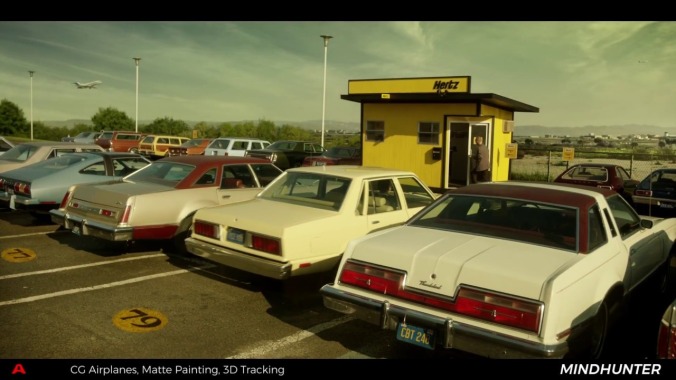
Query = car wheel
x=598 y=332
x=133 y=150
x=177 y=244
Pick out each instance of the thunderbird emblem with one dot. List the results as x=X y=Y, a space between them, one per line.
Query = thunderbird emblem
x=430 y=284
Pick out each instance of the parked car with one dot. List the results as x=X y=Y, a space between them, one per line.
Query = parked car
x=158 y=201
x=190 y=147
x=666 y=337
x=506 y=270
x=657 y=190
x=287 y=153
x=301 y=223
x=40 y=187
x=34 y=151
x=5 y=145
x=234 y=146
x=120 y=141
x=88 y=137
x=157 y=146
x=340 y=155
x=609 y=176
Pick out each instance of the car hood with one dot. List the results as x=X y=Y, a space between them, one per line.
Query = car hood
x=440 y=261
x=114 y=192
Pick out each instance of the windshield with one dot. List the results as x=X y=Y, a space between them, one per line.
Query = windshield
x=191 y=143
x=21 y=152
x=166 y=173
x=325 y=192
x=504 y=218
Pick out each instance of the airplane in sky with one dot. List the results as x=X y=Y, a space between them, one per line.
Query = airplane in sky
x=88 y=85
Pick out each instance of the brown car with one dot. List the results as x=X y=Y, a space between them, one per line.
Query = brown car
x=190 y=147
x=119 y=141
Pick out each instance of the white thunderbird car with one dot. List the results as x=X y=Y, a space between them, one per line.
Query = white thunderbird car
x=301 y=223
x=506 y=270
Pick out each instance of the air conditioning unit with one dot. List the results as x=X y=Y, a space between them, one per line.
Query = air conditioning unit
x=508 y=126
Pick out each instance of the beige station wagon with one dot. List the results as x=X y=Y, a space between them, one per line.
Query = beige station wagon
x=157 y=146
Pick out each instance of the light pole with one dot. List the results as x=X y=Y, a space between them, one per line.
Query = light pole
x=136 y=59
x=326 y=51
x=31 y=72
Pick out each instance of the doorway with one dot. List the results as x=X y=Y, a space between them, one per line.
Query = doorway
x=460 y=137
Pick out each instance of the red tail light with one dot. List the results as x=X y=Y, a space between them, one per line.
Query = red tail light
x=65 y=199
x=206 y=229
x=127 y=213
x=22 y=188
x=643 y=193
x=666 y=339
x=265 y=244
x=504 y=310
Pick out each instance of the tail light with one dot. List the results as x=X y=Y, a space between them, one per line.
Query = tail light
x=209 y=230
x=504 y=310
x=666 y=339
x=643 y=193
x=22 y=188
x=265 y=244
x=66 y=198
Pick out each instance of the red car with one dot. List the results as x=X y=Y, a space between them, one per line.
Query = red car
x=609 y=176
x=343 y=155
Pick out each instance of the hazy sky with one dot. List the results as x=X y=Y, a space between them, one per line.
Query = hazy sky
x=578 y=73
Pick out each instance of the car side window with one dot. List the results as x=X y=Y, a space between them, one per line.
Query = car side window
x=265 y=173
x=125 y=166
x=208 y=178
x=377 y=201
x=597 y=233
x=60 y=152
x=415 y=194
x=256 y=145
x=625 y=217
x=98 y=168
x=242 y=172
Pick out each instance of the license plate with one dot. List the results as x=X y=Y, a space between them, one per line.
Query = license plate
x=666 y=205
x=235 y=235
x=416 y=335
x=320 y=163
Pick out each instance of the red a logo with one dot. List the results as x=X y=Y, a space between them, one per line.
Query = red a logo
x=18 y=369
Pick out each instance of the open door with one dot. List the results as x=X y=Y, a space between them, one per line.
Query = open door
x=460 y=139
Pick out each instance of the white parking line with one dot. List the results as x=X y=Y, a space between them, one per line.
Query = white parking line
x=102 y=286
x=79 y=266
x=31 y=234
x=291 y=339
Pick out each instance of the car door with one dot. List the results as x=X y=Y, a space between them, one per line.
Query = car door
x=381 y=204
x=238 y=183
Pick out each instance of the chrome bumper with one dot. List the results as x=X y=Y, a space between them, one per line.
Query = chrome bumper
x=451 y=334
x=84 y=227
x=239 y=260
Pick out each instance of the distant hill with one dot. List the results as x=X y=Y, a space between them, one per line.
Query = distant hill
x=615 y=130
x=519 y=130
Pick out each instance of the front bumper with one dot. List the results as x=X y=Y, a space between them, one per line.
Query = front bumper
x=239 y=260
x=84 y=227
x=451 y=334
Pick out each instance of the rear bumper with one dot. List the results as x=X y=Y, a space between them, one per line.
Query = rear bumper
x=450 y=334
x=84 y=227
x=239 y=260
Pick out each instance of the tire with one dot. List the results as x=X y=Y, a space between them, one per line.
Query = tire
x=177 y=243
x=598 y=332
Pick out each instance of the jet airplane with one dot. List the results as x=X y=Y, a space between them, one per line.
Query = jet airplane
x=88 y=85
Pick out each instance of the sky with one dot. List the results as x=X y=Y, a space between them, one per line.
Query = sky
x=578 y=73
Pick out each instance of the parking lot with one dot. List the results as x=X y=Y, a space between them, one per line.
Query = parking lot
x=65 y=296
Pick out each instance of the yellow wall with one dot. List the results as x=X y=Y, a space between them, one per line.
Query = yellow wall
x=401 y=149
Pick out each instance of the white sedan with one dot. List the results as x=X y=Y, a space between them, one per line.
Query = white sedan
x=301 y=223
x=506 y=270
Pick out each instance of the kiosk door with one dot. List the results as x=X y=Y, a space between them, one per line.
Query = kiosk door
x=461 y=138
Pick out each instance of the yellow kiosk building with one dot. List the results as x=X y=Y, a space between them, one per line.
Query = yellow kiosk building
x=428 y=125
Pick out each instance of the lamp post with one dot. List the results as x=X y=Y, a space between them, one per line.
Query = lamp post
x=136 y=59
x=326 y=50
x=31 y=72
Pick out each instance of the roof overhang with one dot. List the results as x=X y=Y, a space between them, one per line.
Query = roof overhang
x=444 y=97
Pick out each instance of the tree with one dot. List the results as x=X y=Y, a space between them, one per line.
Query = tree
x=167 y=126
x=12 y=120
x=110 y=119
x=528 y=142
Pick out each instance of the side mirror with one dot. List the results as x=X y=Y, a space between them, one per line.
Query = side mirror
x=647 y=223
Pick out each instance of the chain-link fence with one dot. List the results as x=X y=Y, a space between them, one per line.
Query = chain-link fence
x=547 y=164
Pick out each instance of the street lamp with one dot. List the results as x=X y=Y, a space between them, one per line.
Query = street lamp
x=136 y=59
x=326 y=50
x=31 y=72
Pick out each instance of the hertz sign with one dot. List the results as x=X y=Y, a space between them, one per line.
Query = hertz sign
x=410 y=86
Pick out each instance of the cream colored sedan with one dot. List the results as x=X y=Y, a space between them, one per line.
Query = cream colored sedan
x=302 y=222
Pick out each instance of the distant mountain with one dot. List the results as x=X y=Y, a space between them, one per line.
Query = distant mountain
x=614 y=131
